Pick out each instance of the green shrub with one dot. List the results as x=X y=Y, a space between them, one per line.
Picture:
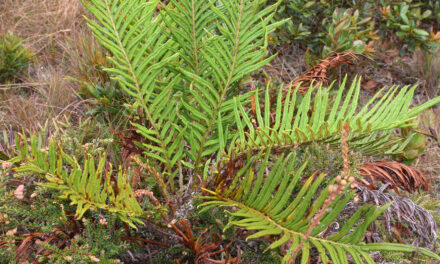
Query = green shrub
x=323 y=26
x=15 y=58
x=406 y=21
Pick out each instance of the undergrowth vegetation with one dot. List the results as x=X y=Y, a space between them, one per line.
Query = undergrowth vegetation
x=183 y=156
x=15 y=58
x=358 y=26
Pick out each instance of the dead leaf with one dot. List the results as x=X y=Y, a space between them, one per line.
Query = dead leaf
x=370 y=85
x=397 y=175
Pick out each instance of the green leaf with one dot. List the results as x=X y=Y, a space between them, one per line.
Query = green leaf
x=292 y=222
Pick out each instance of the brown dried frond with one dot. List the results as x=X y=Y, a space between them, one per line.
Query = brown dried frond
x=128 y=139
x=395 y=174
x=403 y=218
x=318 y=74
x=129 y=149
x=207 y=245
x=29 y=245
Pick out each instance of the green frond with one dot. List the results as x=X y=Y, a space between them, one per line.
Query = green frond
x=270 y=204
x=232 y=44
x=89 y=186
x=315 y=117
x=141 y=55
x=189 y=23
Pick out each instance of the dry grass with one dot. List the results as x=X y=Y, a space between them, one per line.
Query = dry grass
x=45 y=23
x=429 y=161
x=51 y=28
x=427 y=67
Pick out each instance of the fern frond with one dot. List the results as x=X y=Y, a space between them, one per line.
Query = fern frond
x=189 y=23
x=89 y=187
x=141 y=52
x=227 y=51
x=313 y=118
x=268 y=204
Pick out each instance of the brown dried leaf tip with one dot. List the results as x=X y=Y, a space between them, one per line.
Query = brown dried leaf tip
x=397 y=175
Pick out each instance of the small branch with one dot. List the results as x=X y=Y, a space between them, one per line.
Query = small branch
x=158 y=177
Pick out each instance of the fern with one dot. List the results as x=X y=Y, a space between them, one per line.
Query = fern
x=184 y=65
x=370 y=128
x=190 y=23
x=269 y=205
x=228 y=50
x=88 y=187
x=133 y=34
x=209 y=47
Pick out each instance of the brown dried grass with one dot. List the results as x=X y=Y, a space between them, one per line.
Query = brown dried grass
x=49 y=27
x=429 y=161
x=42 y=22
